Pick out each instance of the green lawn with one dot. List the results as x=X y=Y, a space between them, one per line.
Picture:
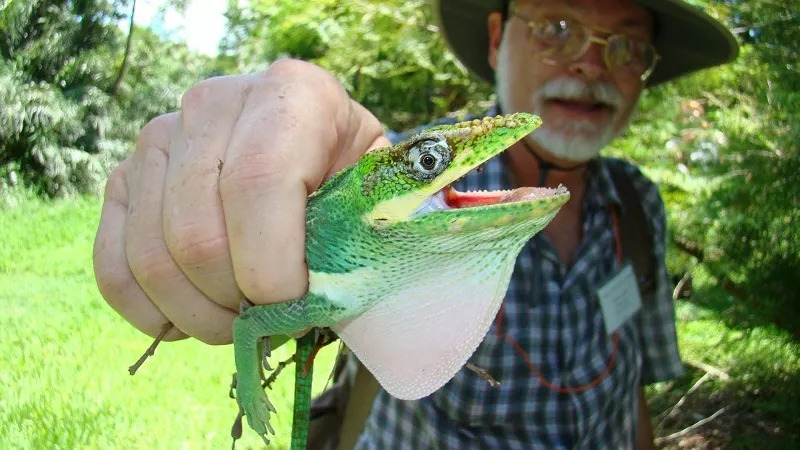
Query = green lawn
x=64 y=380
x=63 y=367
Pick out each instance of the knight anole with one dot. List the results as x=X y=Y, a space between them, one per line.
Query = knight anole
x=405 y=269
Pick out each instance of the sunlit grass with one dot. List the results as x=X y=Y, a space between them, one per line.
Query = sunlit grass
x=65 y=353
x=763 y=361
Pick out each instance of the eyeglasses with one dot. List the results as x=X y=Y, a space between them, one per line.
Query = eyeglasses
x=565 y=40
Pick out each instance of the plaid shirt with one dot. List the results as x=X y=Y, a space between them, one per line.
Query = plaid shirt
x=553 y=313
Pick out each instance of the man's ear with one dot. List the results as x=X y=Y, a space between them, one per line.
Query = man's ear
x=495 y=29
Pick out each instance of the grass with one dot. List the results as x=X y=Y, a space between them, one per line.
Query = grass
x=63 y=366
x=762 y=395
x=65 y=353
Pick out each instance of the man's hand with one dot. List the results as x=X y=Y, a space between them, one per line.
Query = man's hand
x=210 y=208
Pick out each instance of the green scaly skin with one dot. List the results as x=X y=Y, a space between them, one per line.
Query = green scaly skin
x=364 y=242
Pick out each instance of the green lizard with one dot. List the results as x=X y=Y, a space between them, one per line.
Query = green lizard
x=406 y=270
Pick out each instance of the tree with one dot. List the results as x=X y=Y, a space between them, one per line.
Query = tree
x=179 y=5
x=126 y=55
x=61 y=129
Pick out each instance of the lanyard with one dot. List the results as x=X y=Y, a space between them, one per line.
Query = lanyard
x=524 y=354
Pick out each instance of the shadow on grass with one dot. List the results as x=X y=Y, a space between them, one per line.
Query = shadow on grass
x=764 y=417
x=740 y=311
x=761 y=397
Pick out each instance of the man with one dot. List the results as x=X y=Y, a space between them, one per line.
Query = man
x=209 y=210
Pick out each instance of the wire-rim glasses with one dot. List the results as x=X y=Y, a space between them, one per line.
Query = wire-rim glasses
x=566 y=40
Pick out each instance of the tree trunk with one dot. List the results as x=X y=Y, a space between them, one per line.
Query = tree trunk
x=124 y=67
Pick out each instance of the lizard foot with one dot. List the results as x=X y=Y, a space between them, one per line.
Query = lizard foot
x=257 y=409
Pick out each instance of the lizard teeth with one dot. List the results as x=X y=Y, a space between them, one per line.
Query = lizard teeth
x=435 y=202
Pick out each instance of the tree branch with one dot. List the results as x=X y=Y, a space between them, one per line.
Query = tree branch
x=125 y=57
x=698 y=251
x=690 y=429
x=669 y=413
x=691 y=248
x=709 y=369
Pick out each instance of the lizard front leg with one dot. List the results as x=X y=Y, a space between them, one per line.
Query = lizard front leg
x=254 y=324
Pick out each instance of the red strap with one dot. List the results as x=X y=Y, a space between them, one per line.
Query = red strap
x=524 y=354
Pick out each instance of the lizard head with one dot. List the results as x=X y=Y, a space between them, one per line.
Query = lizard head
x=411 y=181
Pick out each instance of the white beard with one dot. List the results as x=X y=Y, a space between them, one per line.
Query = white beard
x=577 y=140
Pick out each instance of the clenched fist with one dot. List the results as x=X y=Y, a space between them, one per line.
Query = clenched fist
x=210 y=208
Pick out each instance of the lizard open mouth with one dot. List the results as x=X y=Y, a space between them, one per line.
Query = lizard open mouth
x=450 y=198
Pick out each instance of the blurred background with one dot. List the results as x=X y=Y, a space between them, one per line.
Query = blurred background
x=78 y=79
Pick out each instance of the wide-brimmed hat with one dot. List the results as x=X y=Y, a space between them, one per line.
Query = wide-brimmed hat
x=686 y=38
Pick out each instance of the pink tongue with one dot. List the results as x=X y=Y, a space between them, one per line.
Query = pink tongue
x=456 y=199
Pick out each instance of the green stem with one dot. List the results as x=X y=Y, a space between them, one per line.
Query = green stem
x=302 y=391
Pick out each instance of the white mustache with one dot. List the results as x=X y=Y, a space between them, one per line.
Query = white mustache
x=573 y=88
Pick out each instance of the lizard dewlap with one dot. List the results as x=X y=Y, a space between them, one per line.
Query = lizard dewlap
x=405 y=269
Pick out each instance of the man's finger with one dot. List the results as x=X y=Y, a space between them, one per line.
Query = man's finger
x=275 y=159
x=194 y=224
x=365 y=134
x=114 y=278
x=150 y=261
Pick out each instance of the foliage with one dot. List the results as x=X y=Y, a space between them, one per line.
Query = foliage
x=763 y=404
x=387 y=54
x=723 y=144
x=61 y=128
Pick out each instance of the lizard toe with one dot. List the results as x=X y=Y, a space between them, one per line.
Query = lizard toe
x=257 y=411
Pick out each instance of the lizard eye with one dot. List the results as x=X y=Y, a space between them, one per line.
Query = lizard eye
x=428 y=158
x=428 y=161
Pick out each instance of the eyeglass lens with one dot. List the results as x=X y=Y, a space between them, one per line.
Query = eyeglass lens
x=564 y=40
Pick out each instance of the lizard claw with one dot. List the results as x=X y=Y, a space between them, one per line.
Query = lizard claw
x=236 y=429
x=257 y=410
x=266 y=352
x=245 y=305
x=233 y=386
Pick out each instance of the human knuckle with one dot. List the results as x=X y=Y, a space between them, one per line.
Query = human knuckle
x=197 y=95
x=288 y=67
x=300 y=78
x=246 y=172
x=155 y=130
x=115 y=188
x=119 y=172
x=112 y=284
x=191 y=244
x=150 y=265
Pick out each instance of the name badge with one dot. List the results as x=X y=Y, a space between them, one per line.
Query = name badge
x=619 y=298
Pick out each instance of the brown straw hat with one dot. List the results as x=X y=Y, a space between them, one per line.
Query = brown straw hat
x=686 y=38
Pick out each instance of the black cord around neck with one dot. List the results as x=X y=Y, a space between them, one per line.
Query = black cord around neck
x=545 y=166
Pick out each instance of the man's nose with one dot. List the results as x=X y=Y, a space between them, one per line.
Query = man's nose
x=591 y=65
